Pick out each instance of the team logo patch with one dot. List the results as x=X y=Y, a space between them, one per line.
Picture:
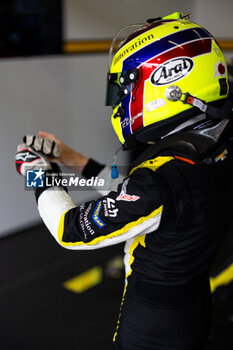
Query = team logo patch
x=110 y=207
x=25 y=156
x=123 y=196
x=221 y=156
x=172 y=70
x=96 y=217
x=127 y=197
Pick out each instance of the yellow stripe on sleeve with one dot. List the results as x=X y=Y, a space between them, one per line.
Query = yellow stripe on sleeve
x=116 y=233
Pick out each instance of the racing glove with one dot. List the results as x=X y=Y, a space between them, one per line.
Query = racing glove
x=28 y=159
x=40 y=144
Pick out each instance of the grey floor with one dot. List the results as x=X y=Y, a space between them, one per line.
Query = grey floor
x=38 y=313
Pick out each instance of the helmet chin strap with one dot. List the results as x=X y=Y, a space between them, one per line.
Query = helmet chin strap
x=174 y=94
x=199 y=138
x=225 y=112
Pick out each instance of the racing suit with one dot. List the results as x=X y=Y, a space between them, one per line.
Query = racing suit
x=173 y=211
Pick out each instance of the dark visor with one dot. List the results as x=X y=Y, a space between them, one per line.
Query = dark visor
x=120 y=85
x=113 y=90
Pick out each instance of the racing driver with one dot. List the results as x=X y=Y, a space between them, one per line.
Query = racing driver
x=168 y=86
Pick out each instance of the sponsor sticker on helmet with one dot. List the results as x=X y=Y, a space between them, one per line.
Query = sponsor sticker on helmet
x=172 y=70
x=153 y=105
x=127 y=121
x=220 y=69
x=133 y=46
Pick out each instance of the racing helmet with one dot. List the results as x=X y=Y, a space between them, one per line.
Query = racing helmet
x=161 y=75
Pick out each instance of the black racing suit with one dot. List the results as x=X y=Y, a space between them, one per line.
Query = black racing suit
x=173 y=211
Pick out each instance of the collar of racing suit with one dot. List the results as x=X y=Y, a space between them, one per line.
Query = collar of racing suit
x=200 y=142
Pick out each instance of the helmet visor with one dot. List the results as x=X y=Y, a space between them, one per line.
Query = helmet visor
x=113 y=90
x=120 y=85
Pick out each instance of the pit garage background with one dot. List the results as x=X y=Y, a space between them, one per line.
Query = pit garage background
x=53 y=64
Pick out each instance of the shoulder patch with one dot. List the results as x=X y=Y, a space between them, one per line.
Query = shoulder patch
x=124 y=196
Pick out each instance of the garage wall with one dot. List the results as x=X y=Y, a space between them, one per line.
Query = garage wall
x=216 y=16
x=65 y=94
x=89 y=19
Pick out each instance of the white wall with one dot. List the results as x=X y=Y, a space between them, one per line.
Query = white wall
x=90 y=19
x=217 y=17
x=65 y=95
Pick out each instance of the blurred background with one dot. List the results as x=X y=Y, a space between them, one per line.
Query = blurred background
x=53 y=65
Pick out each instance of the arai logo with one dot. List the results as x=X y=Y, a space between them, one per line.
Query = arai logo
x=172 y=70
